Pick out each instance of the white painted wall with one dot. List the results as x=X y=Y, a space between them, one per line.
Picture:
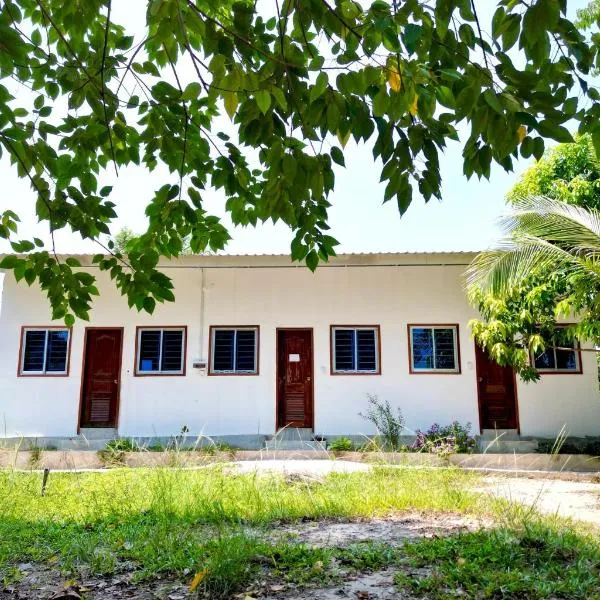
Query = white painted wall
x=389 y=290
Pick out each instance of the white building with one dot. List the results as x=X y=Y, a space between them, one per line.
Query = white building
x=254 y=343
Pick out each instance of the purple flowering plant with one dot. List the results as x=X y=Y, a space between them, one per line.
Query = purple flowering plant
x=449 y=439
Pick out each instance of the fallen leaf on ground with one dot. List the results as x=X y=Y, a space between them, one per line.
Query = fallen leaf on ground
x=198 y=578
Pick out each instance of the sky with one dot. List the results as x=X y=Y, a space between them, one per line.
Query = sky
x=465 y=219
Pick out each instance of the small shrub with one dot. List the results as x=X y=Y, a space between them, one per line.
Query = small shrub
x=121 y=445
x=35 y=457
x=156 y=447
x=114 y=451
x=342 y=444
x=569 y=446
x=450 y=439
x=592 y=448
x=388 y=425
x=216 y=447
x=371 y=445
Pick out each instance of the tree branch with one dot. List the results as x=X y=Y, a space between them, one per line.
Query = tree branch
x=102 y=92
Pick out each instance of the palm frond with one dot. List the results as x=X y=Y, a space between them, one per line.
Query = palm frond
x=498 y=271
x=542 y=233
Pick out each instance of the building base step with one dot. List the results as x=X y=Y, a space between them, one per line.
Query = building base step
x=293 y=434
x=275 y=444
x=98 y=433
x=500 y=446
x=504 y=435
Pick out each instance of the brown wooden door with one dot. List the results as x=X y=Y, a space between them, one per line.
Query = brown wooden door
x=294 y=377
x=497 y=399
x=101 y=374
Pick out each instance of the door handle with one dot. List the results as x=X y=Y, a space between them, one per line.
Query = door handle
x=308 y=379
x=116 y=381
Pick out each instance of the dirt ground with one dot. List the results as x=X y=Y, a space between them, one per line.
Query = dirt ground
x=576 y=499
x=43 y=583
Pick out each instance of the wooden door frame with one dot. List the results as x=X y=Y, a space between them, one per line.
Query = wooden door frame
x=480 y=401
x=312 y=373
x=81 y=388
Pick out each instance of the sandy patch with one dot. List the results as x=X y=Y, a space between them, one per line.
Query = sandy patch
x=392 y=530
x=574 y=499
x=373 y=586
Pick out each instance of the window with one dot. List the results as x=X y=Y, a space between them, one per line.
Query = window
x=44 y=351
x=160 y=351
x=561 y=356
x=234 y=351
x=434 y=349
x=355 y=350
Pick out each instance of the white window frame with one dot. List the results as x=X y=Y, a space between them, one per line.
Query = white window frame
x=355 y=329
x=47 y=331
x=417 y=370
x=576 y=350
x=159 y=371
x=235 y=330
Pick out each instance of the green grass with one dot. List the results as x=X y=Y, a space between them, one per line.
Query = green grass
x=176 y=522
x=160 y=518
x=535 y=561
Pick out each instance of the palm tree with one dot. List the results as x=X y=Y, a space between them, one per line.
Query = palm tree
x=542 y=235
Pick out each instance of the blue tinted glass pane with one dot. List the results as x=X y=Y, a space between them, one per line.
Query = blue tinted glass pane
x=172 y=351
x=366 y=348
x=545 y=360
x=422 y=348
x=245 y=350
x=344 y=340
x=57 y=350
x=566 y=360
x=444 y=349
x=223 y=349
x=149 y=350
x=33 y=352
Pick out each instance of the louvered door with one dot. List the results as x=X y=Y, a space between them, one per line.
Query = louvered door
x=294 y=375
x=497 y=398
x=100 y=387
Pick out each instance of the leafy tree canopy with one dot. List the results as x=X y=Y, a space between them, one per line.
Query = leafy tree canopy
x=568 y=172
x=546 y=270
x=297 y=79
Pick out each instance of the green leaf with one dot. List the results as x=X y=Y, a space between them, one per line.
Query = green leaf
x=490 y=97
x=149 y=304
x=319 y=87
x=596 y=142
x=343 y=138
x=10 y=262
x=312 y=260
x=338 y=156
x=263 y=99
x=557 y=132
x=192 y=91
x=380 y=102
x=231 y=103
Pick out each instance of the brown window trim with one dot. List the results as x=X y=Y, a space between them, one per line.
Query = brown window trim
x=576 y=349
x=24 y=328
x=332 y=370
x=413 y=371
x=138 y=373
x=212 y=373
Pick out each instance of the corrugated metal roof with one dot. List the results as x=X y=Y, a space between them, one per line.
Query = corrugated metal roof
x=284 y=255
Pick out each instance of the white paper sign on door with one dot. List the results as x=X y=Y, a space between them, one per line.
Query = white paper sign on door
x=294 y=358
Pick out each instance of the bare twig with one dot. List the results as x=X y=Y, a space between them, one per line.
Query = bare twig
x=480 y=35
x=341 y=19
